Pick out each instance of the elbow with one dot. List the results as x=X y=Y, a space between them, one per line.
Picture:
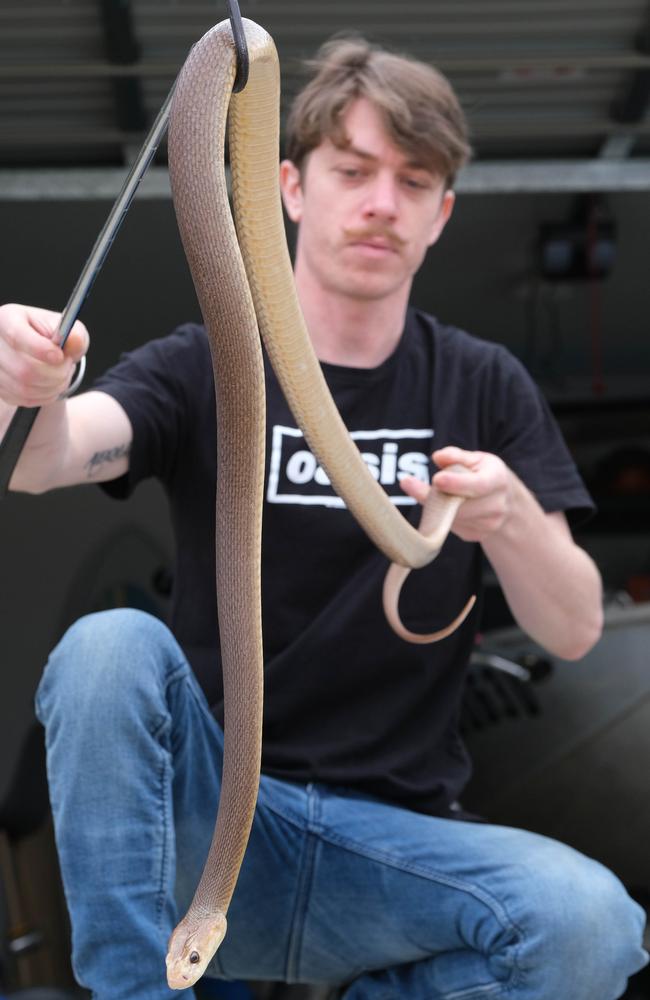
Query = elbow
x=34 y=478
x=583 y=637
x=587 y=627
x=27 y=484
x=35 y=490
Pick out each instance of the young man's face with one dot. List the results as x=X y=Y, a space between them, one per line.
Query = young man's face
x=366 y=213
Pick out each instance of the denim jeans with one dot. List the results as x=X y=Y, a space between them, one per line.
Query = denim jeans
x=335 y=887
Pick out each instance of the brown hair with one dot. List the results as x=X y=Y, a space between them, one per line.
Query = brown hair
x=420 y=110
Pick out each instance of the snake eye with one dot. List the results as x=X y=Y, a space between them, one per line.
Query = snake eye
x=194 y=957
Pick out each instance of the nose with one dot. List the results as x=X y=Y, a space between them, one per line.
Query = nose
x=381 y=200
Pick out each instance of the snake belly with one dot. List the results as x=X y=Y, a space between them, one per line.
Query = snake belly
x=243 y=293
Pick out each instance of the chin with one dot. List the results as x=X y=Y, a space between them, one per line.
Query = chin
x=372 y=291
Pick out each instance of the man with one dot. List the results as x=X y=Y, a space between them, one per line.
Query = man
x=362 y=869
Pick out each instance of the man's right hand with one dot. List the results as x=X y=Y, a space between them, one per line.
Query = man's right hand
x=82 y=439
x=34 y=371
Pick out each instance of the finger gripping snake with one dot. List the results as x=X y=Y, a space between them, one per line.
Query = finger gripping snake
x=244 y=283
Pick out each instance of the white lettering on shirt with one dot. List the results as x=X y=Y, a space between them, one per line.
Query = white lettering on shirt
x=295 y=477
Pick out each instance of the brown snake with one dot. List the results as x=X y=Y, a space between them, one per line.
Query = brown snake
x=237 y=297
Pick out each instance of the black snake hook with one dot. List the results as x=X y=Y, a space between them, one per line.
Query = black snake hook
x=241 y=48
x=23 y=419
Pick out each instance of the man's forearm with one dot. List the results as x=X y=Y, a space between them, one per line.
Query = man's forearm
x=41 y=453
x=552 y=586
x=86 y=439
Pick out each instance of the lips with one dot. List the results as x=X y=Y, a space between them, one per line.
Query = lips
x=377 y=244
x=374 y=245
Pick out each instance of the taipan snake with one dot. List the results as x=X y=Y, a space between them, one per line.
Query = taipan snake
x=239 y=300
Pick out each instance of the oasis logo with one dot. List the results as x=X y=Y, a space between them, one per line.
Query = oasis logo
x=295 y=477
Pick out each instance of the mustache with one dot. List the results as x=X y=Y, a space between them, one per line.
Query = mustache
x=374 y=232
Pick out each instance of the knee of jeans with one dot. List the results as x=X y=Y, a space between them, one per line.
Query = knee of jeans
x=589 y=930
x=106 y=658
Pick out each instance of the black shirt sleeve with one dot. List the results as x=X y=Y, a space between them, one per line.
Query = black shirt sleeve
x=524 y=433
x=162 y=387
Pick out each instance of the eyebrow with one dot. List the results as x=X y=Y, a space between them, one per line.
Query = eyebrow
x=365 y=155
x=356 y=151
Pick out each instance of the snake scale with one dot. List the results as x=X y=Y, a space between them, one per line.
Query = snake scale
x=244 y=283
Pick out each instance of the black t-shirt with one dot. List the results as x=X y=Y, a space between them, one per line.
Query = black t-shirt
x=346 y=701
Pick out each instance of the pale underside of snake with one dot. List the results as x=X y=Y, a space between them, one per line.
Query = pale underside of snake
x=245 y=287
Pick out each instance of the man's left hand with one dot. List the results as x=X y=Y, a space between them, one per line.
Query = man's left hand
x=486 y=485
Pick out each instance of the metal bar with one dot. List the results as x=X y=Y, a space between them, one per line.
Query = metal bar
x=91 y=69
x=408 y=7
x=506 y=126
x=430 y=22
x=488 y=177
x=78 y=184
x=50 y=12
x=513 y=126
x=555 y=176
x=447 y=63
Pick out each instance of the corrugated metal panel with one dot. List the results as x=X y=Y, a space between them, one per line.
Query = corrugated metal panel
x=537 y=77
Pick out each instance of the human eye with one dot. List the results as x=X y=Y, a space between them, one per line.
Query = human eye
x=416 y=183
x=350 y=171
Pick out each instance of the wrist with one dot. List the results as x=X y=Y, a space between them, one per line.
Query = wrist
x=522 y=514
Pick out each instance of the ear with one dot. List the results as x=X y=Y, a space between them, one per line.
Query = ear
x=291 y=189
x=443 y=215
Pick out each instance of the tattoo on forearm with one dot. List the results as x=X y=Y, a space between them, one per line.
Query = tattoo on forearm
x=102 y=458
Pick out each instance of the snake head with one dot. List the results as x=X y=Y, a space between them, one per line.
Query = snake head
x=191 y=947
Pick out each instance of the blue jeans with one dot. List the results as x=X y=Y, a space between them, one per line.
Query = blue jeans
x=335 y=887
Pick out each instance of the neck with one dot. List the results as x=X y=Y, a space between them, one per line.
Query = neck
x=354 y=332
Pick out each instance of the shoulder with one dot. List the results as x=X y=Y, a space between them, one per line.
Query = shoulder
x=482 y=384
x=187 y=345
x=496 y=406
x=182 y=357
x=166 y=389
x=165 y=382
x=456 y=350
